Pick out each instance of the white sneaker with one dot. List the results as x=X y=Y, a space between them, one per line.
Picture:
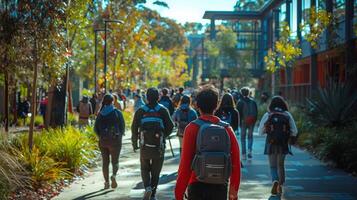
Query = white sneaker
x=244 y=156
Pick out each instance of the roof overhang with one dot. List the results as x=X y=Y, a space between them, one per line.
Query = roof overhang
x=243 y=15
x=231 y=15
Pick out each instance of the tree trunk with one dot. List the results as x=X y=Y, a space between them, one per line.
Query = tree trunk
x=33 y=97
x=6 y=102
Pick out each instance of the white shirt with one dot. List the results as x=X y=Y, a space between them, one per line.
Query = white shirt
x=293 y=129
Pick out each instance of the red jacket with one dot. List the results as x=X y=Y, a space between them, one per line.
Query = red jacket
x=185 y=175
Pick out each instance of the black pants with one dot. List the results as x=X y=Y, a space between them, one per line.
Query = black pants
x=110 y=150
x=205 y=191
x=150 y=172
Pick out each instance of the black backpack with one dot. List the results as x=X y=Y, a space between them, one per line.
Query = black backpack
x=152 y=130
x=182 y=121
x=277 y=128
x=226 y=117
x=108 y=125
x=212 y=162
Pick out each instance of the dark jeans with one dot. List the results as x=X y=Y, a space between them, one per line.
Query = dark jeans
x=110 y=149
x=150 y=172
x=246 y=129
x=205 y=191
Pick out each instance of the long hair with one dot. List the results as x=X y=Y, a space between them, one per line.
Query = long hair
x=278 y=102
x=227 y=101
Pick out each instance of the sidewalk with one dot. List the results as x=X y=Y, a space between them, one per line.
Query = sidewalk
x=307 y=178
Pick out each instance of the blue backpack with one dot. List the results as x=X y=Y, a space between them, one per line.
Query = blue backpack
x=165 y=103
x=152 y=129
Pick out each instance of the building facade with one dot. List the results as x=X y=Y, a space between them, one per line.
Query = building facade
x=259 y=29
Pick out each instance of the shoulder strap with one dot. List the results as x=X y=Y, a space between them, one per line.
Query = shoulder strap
x=222 y=123
x=200 y=122
x=145 y=108
x=157 y=107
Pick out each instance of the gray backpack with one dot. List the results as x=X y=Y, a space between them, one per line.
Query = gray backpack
x=212 y=162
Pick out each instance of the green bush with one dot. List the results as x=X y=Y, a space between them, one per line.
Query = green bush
x=72 y=119
x=334 y=106
x=12 y=174
x=68 y=145
x=128 y=118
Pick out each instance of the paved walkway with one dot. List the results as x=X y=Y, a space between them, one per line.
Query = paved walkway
x=307 y=179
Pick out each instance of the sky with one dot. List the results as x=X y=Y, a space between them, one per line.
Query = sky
x=191 y=10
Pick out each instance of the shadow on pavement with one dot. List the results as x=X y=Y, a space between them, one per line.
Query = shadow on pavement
x=94 y=194
x=275 y=197
x=166 y=178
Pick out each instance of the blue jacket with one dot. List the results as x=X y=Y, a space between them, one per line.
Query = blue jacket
x=106 y=110
x=192 y=114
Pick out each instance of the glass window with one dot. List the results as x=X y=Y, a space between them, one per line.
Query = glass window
x=293 y=18
x=321 y=4
x=339 y=8
x=282 y=13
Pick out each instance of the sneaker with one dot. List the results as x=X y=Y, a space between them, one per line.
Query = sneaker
x=274 y=188
x=244 y=157
x=153 y=198
x=280 y=189
x=147 y=194
x=114 y=182
x=250 y=155
x=106 y=185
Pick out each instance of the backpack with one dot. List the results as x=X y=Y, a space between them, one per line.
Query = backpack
x=165 y=103
x=183 y=121
x=177 y=99
x=152 y=129
x=226 y=117
x=108 y=125
x=277 y=128
x=250 y=112
x=212 y=162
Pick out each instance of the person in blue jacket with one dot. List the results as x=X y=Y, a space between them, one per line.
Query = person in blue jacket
x=183 y=116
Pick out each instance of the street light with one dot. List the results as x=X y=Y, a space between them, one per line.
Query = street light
x=105 y=50
x=95 y=58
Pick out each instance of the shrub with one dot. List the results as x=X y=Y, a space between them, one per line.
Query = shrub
x=72 y=119
x=334 y=105
x=43 y=168
x=12 y=173
x=68 y=145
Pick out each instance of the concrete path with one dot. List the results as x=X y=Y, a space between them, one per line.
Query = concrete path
x=307 y=178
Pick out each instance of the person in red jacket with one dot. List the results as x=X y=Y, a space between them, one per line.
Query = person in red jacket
x=207 y=101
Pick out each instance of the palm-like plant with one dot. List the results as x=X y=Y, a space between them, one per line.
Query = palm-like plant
x=12 y=174
x=334 y=105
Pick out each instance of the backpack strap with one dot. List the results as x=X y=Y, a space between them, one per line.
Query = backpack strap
x=157 y=107
x=201 y=122
x=145 y=108
x=222 y=123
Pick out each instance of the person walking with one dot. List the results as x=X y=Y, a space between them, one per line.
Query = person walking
x=280 y=129
x=117 y=102
x=152 y=124
x=166 y=101
x=183 y=116
x=227 y=111
x=138 y=102
x=248 y=111
x=208 y=144
x=84 y=110
x=110 y=127
x=177 y=97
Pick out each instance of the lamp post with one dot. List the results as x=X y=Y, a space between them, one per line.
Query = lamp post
x=96 y=58
x=105 y=50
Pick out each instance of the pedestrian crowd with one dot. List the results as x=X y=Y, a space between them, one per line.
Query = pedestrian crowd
x=208 y=126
